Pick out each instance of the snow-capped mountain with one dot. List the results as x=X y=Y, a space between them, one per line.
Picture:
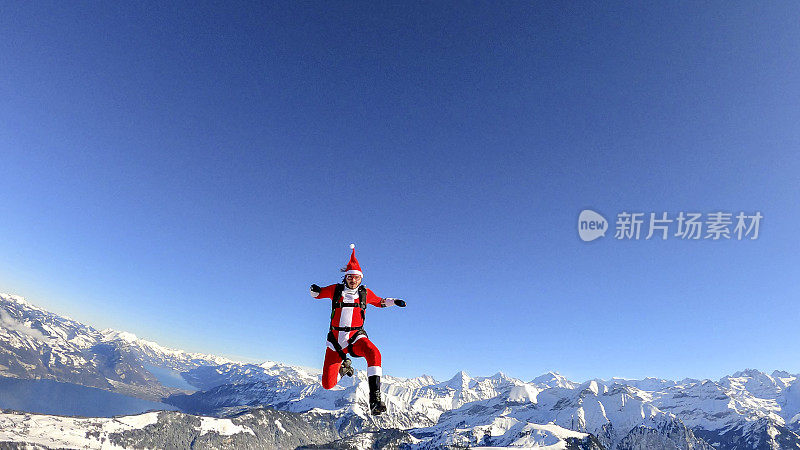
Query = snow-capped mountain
x=746 y=404
x=273 y=405
x=498 y=410
x=37 y=344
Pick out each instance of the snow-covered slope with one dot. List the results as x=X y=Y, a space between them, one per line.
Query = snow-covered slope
x=256 y=429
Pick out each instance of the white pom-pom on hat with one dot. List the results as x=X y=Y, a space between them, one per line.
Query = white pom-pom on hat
x=352 y=246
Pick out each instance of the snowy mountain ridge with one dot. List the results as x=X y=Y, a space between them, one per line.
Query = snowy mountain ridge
x=85 y=336
x=37 y=344
x=748 y=409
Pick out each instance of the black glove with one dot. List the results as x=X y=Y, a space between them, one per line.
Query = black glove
x=315 y=288
x=400 y=303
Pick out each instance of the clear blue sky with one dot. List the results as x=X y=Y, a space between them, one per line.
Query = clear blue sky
x=185 y=171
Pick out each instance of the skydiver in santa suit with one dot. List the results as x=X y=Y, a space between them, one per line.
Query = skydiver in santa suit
x=349 y=301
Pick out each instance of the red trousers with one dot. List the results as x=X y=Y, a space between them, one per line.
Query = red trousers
x=362 y=348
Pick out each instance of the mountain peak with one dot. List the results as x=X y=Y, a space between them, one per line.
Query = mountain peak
x=15 y=298
x=749 y=373
x=592 y=386
x=460 y=380
x=551 y=375
x=111 y=334
x=553 y=379
x=500 y=376
x=782 y=374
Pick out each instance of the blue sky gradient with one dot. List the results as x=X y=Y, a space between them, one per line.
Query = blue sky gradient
x=185 y=171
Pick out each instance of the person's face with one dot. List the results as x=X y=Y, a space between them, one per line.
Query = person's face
x=352 y=280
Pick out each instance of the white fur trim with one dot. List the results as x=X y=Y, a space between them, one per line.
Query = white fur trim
x=343 y=337
x=374 y=370
x=354 y=272
x=352 y=246
x=345 y=317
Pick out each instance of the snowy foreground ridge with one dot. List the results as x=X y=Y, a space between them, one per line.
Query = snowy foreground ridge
x=71 y=432
x=203 y=401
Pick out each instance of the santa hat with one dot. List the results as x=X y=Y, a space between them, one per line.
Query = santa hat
x=352 y=268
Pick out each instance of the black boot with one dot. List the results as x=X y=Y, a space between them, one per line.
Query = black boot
x=376 y=406
x=346 y=368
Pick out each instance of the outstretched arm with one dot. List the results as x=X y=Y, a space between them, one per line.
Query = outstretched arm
x=325 y=292
x=373 y=299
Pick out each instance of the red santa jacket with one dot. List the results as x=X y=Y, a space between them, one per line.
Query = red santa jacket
x=349 y=316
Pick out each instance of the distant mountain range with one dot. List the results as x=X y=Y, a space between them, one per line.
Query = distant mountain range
x=64 y=384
